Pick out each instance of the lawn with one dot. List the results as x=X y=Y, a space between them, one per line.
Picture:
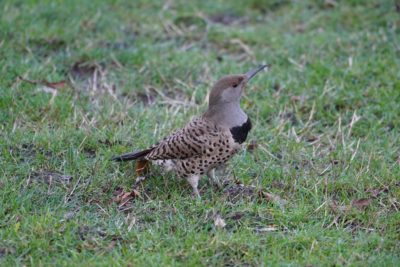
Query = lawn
x=318 y=180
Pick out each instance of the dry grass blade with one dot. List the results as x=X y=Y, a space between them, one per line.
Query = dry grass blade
x=53 y=85
x=270 y=228
x=124 y=197
x=245 y=47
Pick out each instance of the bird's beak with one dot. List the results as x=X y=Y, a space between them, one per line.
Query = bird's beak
x=252 y=73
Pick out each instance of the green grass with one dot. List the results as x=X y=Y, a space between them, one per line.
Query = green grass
x=327 y=132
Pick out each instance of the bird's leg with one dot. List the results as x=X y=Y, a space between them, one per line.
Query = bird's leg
x=194 y=182
x=213 y=178
x=225 y=172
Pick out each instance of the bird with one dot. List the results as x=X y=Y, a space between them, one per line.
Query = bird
x=207 y=141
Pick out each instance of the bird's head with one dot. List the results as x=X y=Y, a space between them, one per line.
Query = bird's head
x=229 y=88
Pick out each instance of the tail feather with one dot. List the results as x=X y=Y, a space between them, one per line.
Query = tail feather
x=132 y=155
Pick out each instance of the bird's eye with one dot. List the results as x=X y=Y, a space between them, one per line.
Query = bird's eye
x=235 y=85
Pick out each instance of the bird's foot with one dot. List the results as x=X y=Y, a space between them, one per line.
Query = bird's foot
x=196 y=194
x=214 y=178
x=194 y=182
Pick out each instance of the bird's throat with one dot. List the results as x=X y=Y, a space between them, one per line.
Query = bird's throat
x=226 y=115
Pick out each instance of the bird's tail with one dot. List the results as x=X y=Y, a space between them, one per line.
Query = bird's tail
x=132 y=155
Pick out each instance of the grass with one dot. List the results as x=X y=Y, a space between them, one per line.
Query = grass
x=319 y=184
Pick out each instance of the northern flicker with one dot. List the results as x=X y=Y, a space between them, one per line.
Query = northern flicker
x=207 y=141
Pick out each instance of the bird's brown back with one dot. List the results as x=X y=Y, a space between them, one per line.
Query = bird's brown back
x=193 y=140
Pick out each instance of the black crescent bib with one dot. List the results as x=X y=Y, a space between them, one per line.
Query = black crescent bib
x=239 y=133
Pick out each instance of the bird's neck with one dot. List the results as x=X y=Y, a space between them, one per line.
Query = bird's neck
x=226 y=114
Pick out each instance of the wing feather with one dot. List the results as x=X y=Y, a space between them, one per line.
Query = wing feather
x=195 y=139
